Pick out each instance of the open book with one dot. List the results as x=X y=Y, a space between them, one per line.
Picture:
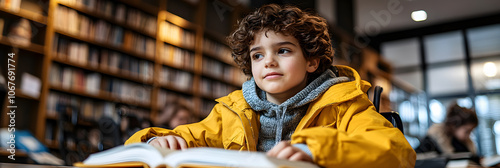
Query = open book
x=144 y=155
x=490 y=161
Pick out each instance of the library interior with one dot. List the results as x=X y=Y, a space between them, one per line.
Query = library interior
x=81 y=76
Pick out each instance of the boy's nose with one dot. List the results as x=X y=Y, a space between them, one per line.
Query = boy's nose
x=270 y=62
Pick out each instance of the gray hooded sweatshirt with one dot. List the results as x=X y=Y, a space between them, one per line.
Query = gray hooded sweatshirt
x=278 y=122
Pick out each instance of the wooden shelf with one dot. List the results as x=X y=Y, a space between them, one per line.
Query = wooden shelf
x=105 y=45
x=20 y=94
x=26 y=14
x=220 y=79
x=5 y=152
x=36 y=48
x=52 y=144
x=153 y=10
x=118 y=74
x=178 y=21
x=102 y=95
x=208 y=97
x=176 y=89
x=178 y=45
x=214 y=36
x=81 y=122
x=179 y=67
x=190 y=40
x=107 y=19
x=227 y=61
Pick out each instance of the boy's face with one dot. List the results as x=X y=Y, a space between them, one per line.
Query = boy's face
x=278 y=65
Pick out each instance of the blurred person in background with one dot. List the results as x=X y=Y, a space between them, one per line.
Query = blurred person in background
x=174 y=114
x=453 y=135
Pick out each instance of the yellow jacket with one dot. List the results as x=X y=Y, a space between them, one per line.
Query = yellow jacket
x=341 y=128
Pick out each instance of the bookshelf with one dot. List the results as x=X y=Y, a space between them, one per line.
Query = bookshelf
x=18 y=26
x=113 y=59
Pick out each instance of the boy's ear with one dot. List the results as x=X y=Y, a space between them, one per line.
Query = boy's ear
x=313 y=64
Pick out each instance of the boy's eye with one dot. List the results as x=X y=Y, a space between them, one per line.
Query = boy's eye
x=283 y=51
x=257 y=56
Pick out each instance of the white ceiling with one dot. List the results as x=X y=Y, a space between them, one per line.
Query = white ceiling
x=380 y=16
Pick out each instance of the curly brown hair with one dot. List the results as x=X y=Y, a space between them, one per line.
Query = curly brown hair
x=309 y=29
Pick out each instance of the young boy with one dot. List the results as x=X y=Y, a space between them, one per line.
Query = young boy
x=294 y=107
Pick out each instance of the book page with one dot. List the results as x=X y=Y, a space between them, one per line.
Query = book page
x=139 y=152
x=229 y=158
x=490 y=161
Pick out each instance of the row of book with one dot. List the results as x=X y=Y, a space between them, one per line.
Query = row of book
x=220 y=51
x=87 y=109
x=234 y=75
x=165 y=97
x=181 y=80
x=103 y=59
x=174 y=34
x=118 y=12
x=139 y=44
x=13 y=5
x=177 y=57
x=223 y=71
x=70 y=21
x=75 y=79
x=215 y=89
x=91 y=111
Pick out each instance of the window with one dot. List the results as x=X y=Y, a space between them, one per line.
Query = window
x=444 y=47
x=404 y=56
x=488 y=111
x=402 y=53
x=449 y=79
x=484 y=41
x=445 y=80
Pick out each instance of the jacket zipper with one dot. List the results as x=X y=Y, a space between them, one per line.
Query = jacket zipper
x=246 y=139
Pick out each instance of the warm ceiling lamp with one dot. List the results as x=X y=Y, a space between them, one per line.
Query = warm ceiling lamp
x=489 y=69
x=419 y=15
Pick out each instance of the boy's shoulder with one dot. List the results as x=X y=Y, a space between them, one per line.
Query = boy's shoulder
x=234 y=99
x=347 y=90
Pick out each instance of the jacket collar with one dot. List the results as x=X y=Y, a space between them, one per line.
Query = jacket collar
x=340 y=92
x=336 y=94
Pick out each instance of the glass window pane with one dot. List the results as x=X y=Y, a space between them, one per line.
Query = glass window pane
x=488 y=111
x=486 y=73
x=423 y=120
x=444 y=47
x=439 y=107
x=407 y=111
x=447 y=79
x=438 y=111
x=402 y=53
x=484 y=41
x=414 y=78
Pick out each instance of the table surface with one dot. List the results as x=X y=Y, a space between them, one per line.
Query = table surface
x=20 y=165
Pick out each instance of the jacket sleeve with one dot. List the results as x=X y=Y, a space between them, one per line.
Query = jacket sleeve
x=204 y=133
x=360 y=138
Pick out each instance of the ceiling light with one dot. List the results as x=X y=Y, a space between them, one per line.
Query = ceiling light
x=489 y=69
x=419 y=15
